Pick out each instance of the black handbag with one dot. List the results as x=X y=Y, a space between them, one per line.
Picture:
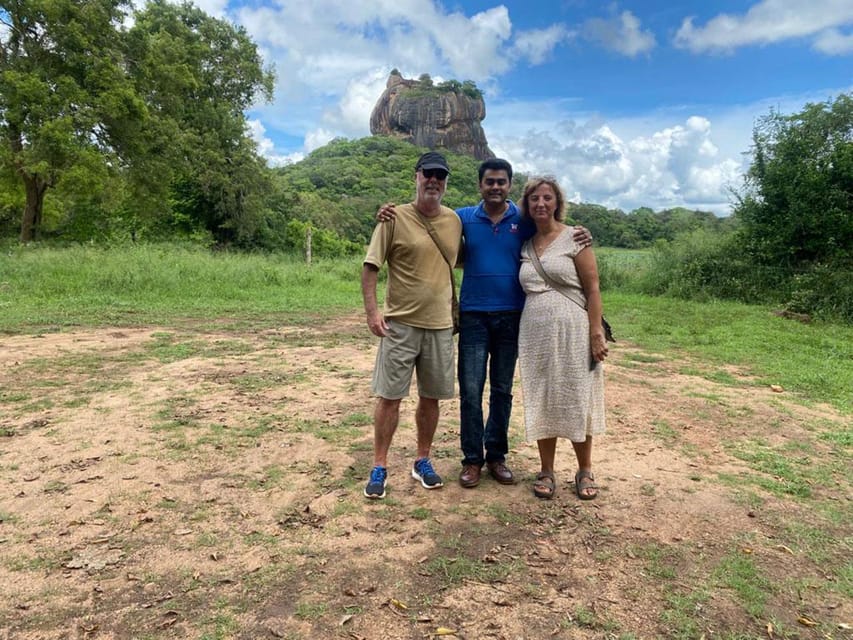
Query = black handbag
x=608 y=332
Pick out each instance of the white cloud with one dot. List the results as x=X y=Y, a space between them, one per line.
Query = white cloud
x=473 y=47
x=351 y=115
x=317 y=138
x=266 y=147
x=621 y=34
x=659 y=159
x=834 y=43
x=766 y=22
x=536 y=45
x=321 y=44
x=677 y=165
x=332 y=59
x=215 y=8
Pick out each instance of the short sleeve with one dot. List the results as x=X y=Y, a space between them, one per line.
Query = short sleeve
x=572 y=247
x=380 y=244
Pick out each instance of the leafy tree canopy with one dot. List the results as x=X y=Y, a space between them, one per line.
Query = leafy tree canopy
x=796 y=208
x=426 y=86
x=161 y=100
x=792 y=229
x=341 y=185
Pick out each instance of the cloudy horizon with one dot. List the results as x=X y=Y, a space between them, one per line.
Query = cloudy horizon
x=629 y=104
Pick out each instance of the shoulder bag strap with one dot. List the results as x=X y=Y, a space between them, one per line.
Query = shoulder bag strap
x=548 y=280
x=434 y=235
x=608 y=331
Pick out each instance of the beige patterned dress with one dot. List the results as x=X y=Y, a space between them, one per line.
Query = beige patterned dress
x=563 y=396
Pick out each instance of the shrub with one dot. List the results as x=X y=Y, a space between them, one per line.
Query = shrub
x=324 y=243
x=825 y=291
x=702 y=265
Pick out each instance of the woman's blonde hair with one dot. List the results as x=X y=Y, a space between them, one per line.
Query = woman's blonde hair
x=533 y=184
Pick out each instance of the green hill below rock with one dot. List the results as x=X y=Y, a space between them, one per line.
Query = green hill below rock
x=339 y=187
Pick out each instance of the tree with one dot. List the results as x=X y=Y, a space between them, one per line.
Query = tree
x=198 y=75
x=797 y=206
x=161 y=101
x=63 y=91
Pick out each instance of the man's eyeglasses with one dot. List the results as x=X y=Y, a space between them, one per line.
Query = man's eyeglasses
x=438 y=174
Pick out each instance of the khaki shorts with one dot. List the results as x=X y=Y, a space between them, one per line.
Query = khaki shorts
x=405 y=349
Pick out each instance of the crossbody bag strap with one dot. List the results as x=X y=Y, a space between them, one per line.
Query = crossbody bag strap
x=434 y=235
x=548 y=280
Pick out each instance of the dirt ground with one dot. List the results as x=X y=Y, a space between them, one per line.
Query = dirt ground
x=187 y=482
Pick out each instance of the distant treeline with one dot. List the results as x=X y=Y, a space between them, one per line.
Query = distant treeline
x=642 y=227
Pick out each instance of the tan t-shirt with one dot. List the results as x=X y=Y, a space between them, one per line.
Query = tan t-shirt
x=418 y=292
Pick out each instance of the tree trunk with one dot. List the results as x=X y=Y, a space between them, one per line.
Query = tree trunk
x=35 y=188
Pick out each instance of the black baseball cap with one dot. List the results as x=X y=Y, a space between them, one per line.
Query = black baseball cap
x=432 y=160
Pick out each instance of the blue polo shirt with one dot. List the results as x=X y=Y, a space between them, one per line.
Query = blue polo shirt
x=492 y=257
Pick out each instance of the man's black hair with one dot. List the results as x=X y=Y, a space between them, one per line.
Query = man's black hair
x=495 y=164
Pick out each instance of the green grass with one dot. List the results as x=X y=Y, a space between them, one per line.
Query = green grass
x=421 y=513
x=584 y=617
x=272 y=476
x=310 y=610
x=679 y=614
x=503 y=514
x=330 y=432
x=453 y=569
x=222 y=624
x=664 y=432
x=740 y=573
x=791 y=469
x=46 y=288
x=660 y=562
x=814 y=361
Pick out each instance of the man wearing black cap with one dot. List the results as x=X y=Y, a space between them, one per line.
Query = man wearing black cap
x=490 y=305
x=416 y=325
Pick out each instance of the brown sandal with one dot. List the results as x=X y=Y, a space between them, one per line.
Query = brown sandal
x=585 y=481
x=545 y=486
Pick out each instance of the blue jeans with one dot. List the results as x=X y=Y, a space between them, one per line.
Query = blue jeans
x=486 y=337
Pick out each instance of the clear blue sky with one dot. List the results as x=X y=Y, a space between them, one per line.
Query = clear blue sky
x=635 y=103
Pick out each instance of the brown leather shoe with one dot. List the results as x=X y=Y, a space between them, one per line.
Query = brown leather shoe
x=470 y=476
x=501 y=473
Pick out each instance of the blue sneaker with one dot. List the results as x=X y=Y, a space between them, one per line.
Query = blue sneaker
x=375 y=488
x=423 y=471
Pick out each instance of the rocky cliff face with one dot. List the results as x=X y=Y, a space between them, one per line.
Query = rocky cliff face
x=432 y=116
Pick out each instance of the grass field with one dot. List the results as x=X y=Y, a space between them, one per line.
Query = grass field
x=52 y=289
x=184 y=437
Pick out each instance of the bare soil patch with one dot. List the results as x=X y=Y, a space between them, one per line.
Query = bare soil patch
x=163 y=482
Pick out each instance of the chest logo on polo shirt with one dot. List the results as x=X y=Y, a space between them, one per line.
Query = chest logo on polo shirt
x=513 y=228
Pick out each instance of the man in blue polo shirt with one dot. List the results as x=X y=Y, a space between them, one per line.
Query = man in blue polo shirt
x=491 y=300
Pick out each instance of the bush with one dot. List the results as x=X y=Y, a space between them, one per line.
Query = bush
x=825 y=291
x=703 y=265
x=324 y=243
